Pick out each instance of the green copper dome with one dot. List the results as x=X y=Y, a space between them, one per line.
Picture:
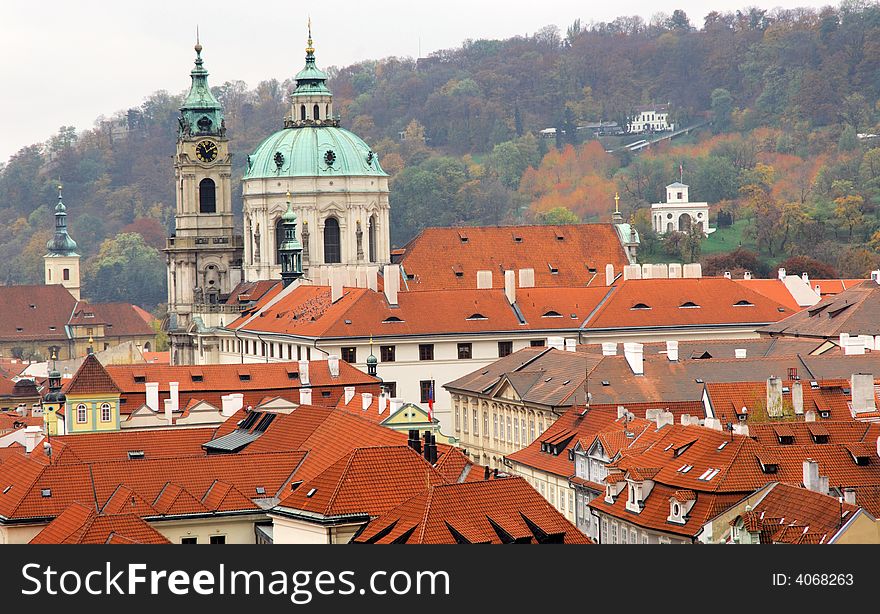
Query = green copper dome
x=201 y=113
x=313 y=151
x=61 y=244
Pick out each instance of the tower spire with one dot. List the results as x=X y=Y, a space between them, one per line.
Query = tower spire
x=61 y=244
x=201 y=113
x=290 y=249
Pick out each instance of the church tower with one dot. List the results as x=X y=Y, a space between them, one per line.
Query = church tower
x=203 y=254
x=61 y=262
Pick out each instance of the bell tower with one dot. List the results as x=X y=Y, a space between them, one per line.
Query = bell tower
x=61 y=262
x=203 y=254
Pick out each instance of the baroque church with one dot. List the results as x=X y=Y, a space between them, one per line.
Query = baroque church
x=315 y=206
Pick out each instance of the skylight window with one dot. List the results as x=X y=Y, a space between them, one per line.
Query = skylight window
x=723 y=445
x=639 y=306
x=6 y=490
x=46 y=492
x=391 y=319
x=685 y=468
x=135 y=454
x=553 y=269
x=261 y=490
x=552 y=314
x=688 y=305
x=476 y=316
x=312 y=492
x=743 y=303
x=709 y=474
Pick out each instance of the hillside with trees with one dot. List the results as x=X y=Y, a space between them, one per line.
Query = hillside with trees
x=788 y=100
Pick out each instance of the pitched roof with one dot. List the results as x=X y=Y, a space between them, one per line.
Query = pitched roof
x=646 y=303
x=119 y=319
x=35 y=312
x=436 y=254
x=368 y=481
x=493 y=511
x=91 y=378
x=855 y=311
x=81 y=524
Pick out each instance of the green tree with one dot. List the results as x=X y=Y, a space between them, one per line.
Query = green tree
x=126 y=269
x=722 y=109
x=558 y=215
x=849 y=141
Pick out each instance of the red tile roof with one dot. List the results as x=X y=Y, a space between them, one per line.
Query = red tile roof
x=774 y=289
x=119 y=319
x=369 y=481
x=645 y=303
x=434 y=256
x=81 y=524
x=492 y=511
x=91 y=378
x=35 y=313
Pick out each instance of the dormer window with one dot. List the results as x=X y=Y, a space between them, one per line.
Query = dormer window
x=552 y=314
x=553 y=269
x=743 y=304
x=391 y=319
x=476 y=316
x=688 y=305
x=639 y=306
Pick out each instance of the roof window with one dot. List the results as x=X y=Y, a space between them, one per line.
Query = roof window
x=391 y=319
x=261 y=490
x=743 y=303
x=553 y=269
x=46 y=492
x=476 y=316
x=135 y=454
x=552 y=314
x=312 y=492
x=639 y=306
x=688 y=305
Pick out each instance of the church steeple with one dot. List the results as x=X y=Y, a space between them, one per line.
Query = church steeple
x=61 y=262
x=201 y=113
x=290 y=249
x=311 y=101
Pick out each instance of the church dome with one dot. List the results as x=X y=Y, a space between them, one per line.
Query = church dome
x=313 y=151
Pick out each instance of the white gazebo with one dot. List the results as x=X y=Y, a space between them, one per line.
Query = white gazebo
x=678 y=213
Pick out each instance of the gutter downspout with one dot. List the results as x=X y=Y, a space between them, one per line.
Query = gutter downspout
x=598 y=524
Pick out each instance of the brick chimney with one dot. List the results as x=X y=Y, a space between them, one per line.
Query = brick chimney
x=32 y=437
x=174 y=395
x=571 y=345
x=849 y=496
x=664 y=418
x=609 y=348
x=774 y=397
x=797 y=397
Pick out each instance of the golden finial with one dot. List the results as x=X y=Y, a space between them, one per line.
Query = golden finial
x=310 y=49
x=91 y=340
x=288 y=197
x=617 y=202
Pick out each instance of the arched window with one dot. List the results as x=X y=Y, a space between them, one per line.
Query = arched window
x=207 y=196
x=105 y=412
x=279 y=238
x=148 y=347
x=81 y=413
x=316 y=111
x=302 y=111
x=371 y=238
x=332 y=247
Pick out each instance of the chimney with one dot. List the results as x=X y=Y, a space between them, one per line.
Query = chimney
x=727 y=275
x=174 y=395
x=797 y=397
x=854 y=346
x=665 y=418
x=849 y=496
x=806 y=279
x=747 y=275
x=741 y=429
x=169 y=415
x=383 y=402
x=818 y=290
x=774 y=397
x=396 y=404
x=484 y=280
x=609 y=274
x=609 y=348
x=391 y=281
x=862 y=392
x=527 y=278
x=672 y=350
x=809 y=416
x=646 y=271
x=305 y=396
x=510 y=286
x=427 y=447
x=634 y=353
x=842 y=340
x=413 y=441
x=373 y=278
x=366 y=400
x=304 y=372
x=675 y=270
x=336 y=284
x=571 y=345
x=811 y=475
x=486 y=472
x=693 y=270
x=152 y=395
x=632 y=271
x=875 y=276
x=431 y=449
x=32 y=437
x=781 y=274
x=867 y=341
x=349 y=394
x=621 y=411
x=651 y=414
x=333 y=365
x=740 y=352
x=712 y=423
x=557 y=343
x=660 y=271
x=231 y=403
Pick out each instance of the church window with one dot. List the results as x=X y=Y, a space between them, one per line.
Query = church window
x=207 y=196
x=371 y=238
x=316 y=111
x=65 y=274
x=332 y=247
x=302 y=112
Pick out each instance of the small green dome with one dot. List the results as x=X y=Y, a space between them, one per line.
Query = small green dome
x=372 y=360
x=313 y=151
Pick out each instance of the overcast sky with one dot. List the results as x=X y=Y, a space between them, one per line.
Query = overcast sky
x=65 y=62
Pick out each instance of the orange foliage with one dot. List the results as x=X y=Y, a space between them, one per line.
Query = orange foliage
x=577 y=179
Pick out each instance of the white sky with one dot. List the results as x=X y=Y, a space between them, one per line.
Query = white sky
x=65 y=62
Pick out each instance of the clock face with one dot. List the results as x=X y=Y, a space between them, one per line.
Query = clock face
x=206 y=151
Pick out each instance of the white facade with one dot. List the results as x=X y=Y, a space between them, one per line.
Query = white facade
x=654 y=119
x=678 y=213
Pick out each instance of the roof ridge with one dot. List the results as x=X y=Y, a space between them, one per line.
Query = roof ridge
x=340 y=481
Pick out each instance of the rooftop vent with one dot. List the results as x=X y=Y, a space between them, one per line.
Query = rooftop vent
x=135 y=454
x=261 y=490
x=46 y=492
x=311 y=492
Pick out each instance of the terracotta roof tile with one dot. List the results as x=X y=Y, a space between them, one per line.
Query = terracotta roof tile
x=80 y=524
